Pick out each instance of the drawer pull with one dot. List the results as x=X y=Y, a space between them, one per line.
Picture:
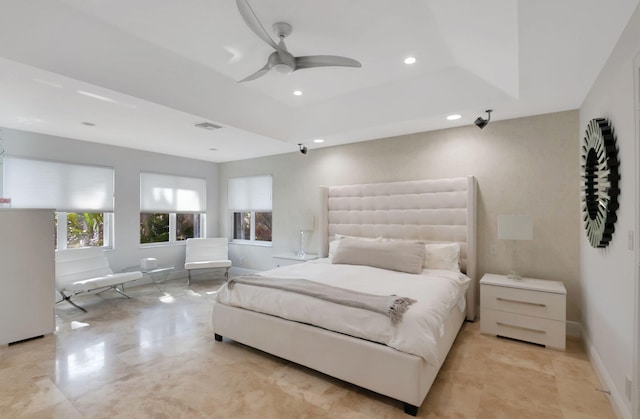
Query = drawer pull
x=508 y=300
x=528 y=329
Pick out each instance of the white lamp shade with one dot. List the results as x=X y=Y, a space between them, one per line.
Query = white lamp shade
x=515 y=227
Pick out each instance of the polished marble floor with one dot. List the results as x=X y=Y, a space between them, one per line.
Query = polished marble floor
x=154 y=356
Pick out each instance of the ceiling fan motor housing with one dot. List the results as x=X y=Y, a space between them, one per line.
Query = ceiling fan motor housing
x=282 y=62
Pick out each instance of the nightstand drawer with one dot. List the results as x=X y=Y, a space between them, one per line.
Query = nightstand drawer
x=546 y=332
x=526 y=302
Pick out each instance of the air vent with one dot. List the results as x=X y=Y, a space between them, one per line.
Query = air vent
x=208 y=125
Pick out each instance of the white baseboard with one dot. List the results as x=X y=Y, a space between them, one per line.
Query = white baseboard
x=175 y=274
x=195 y=274
x=241 y=271
x=615 y=398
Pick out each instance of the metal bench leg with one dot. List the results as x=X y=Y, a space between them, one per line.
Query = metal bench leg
x=67 y=298
x=188 y=276
x=115 y=288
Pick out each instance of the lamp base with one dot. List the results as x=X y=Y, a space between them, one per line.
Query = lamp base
x=301 y=253
x=514 y=275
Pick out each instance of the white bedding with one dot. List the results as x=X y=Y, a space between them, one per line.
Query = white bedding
x=436 y=291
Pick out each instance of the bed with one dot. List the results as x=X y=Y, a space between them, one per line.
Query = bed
x=431 y=211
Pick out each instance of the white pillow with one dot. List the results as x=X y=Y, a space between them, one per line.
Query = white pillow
x=333 y=244
x=442 y=256
x=344 y=236
x=396 y=256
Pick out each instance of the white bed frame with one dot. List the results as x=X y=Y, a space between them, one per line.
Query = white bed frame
x=436 y=210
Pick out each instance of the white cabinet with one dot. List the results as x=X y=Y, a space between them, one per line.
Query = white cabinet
x=27 y=274
x=292 y=258
x=533 y=310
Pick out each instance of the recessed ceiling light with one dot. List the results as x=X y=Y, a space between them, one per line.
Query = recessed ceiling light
x=318 y=140
x=410 y=60
x=454 y=117
x=297 y=92
x=89 y=124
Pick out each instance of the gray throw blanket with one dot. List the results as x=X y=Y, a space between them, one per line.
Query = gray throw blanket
x=389 y=305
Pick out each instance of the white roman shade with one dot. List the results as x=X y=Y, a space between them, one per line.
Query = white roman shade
x=251 y=193
x=60 y=186
x=167 y=193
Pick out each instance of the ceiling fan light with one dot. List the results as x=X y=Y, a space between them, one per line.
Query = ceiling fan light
x=282 y=68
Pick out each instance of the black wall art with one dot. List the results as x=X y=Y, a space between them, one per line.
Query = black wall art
x=600 y=177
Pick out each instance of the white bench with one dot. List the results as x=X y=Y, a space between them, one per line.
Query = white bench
x=207 y=253
x=85 y=270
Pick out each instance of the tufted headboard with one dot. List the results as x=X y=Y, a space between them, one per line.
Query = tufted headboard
x=431 y=210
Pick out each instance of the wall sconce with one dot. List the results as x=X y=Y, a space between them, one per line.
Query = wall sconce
x=515 y=228
x=481 y=122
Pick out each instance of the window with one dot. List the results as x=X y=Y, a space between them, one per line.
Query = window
x=82 y=195
x=154 y=228
x=169 y=227
x=171 y=208
x=187 y=226
x=252 y=225
x=84 y=229
x=249 y=201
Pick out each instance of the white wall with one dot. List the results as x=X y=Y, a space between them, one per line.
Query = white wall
x=608 y=274
x=528 y=165
x=128 y=164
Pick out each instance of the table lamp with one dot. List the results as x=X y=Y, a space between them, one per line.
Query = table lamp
x=305 y=224
x=514 y=228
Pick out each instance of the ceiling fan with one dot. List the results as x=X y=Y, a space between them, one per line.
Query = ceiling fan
x=281 y=59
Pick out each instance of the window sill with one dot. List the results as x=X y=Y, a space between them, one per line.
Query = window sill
x=250 y=243
x=163 y=244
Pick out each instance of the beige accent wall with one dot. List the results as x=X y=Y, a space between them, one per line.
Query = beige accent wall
x=523 y=166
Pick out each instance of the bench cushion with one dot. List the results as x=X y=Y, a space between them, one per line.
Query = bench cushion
x=207 y=264
x=86 y=269
x=87 y=285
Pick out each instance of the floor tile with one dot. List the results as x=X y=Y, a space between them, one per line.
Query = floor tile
x=154 y=356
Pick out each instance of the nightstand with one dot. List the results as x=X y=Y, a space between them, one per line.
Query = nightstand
x=292 y=258
x=532 y=310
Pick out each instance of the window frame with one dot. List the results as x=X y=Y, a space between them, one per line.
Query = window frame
x=252 y=231
x=173 y=241
x=163 y=193
x=108 y=229
x=252 y=194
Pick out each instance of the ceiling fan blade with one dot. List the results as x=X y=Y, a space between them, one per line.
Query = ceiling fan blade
x=264 y=70
x=254 y=24
x=312 y=61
